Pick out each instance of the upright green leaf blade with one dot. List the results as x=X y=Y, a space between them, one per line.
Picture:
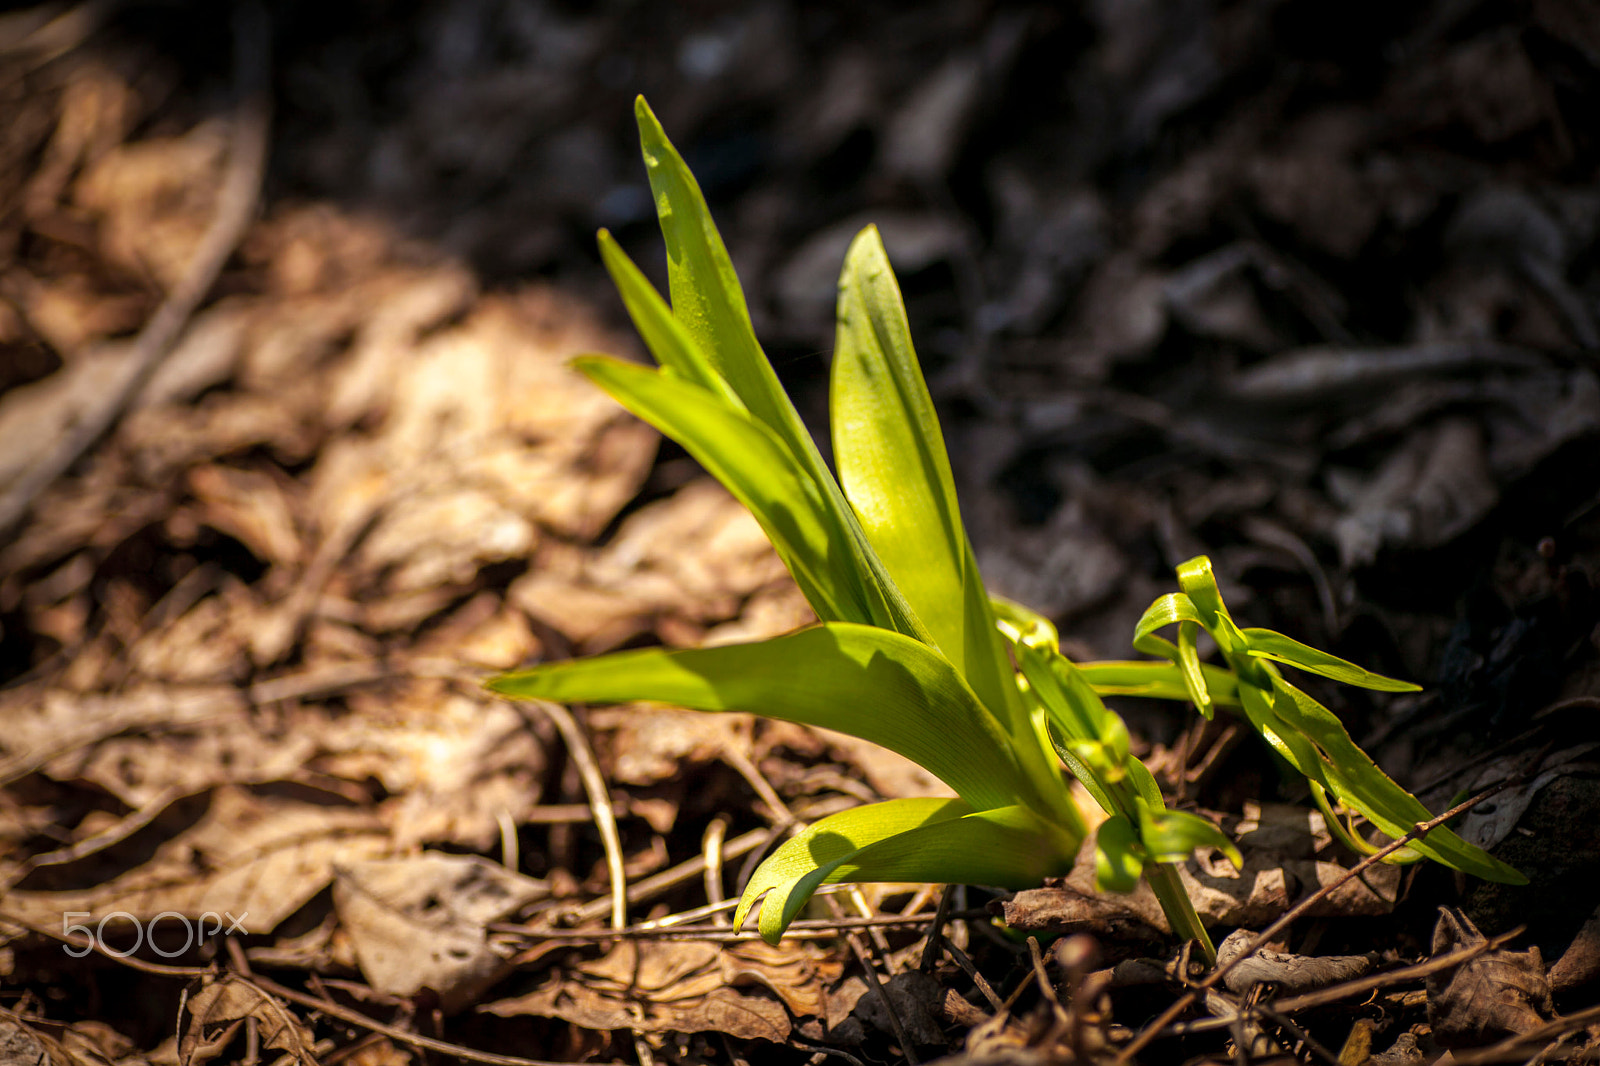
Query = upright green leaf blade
x=862 y=680
x=709 y=303
x=706 y=296
x=663 y=334
x=762 y=474
x=894 y=468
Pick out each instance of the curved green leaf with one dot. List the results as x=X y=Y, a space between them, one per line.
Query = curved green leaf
x=1352 y=776
x=871 y=683
x=1199 y=583
x=1177 y=608
x=828 y=842
x=1157 y=680
x=1117 y=858
x=1268 y=644
x=1170 y=836
x=1009 y=847
x=1023 y=625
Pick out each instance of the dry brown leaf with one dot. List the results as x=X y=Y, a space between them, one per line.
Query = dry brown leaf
x=1267 y=886
x=1426 y=493
x=693 y=557
x=419 y=922
x=665 y=986
x=251 y=855
x=1291 y=973
x=219 y=1009
x=1500 y=993
x=454 y=764
x=256 y=507
x=23 y=1045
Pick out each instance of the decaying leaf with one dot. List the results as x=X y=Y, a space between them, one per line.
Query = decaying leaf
x=250 y=854
x=219 y=1009
x=1267 y=885
x=419 y=923
x=1500 y=993
x=747 y=990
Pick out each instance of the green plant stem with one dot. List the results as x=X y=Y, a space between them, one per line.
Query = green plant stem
x=1164 y=881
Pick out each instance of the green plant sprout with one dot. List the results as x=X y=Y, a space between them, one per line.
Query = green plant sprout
x=910 y=652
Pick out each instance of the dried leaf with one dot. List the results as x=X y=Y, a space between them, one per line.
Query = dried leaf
x=419 y=923
x=216 y=1012
x=1500 y=993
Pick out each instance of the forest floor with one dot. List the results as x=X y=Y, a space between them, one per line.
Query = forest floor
x=291 y=458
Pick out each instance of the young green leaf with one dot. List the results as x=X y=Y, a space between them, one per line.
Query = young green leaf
x=1158 y=680
x=862 y=680
x=1118 y=858
x=1009 y=847
x=1170 y=836
x=825 y=844
x=896 y=474
x=1267 y=644
x=663 y=334
x=1349 y=773
x=706 y=296
x=749 y=459
x=709 y=303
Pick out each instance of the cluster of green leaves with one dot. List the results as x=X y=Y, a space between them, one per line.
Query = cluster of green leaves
x=910 y=651
x=1308 y=735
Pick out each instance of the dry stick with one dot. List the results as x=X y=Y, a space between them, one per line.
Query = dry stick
x=659 y=930
x=930 y=949
x=711 y=849
x=978 y=980
x=236 y=206
x=1184 y=1001
x=345 y=1014
x=906 y=1047
x=605 y=819
x=1344 y=990
x=655 y=884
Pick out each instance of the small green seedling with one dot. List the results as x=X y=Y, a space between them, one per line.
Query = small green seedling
x=910 y=652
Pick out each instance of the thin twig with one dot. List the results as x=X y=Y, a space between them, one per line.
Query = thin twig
x=1334 y=993
x=978 y=980
x=1422 y=829
x=711 y=847
x=660 y=928
x=236 y=206
x=605 y=818
x=860 y=952
x=650 y=887
x=930 y=949
x=354 y=1017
